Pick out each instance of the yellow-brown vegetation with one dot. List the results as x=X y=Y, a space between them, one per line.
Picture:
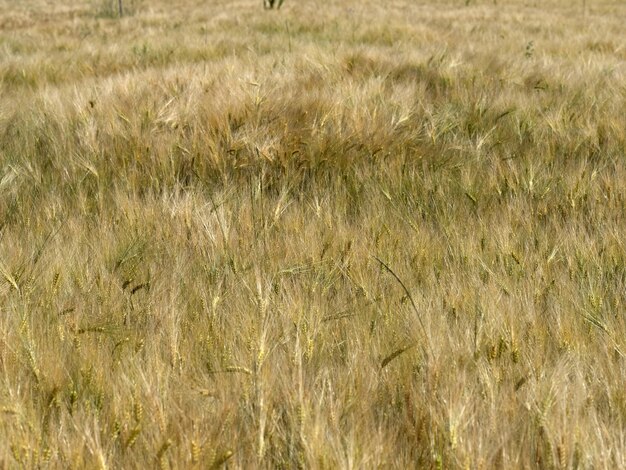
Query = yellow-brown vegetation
x=345 y=234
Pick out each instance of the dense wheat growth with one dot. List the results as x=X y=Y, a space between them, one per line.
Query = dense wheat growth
x=345 y=234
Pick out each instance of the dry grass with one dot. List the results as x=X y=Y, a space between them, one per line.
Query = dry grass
x=193 y=200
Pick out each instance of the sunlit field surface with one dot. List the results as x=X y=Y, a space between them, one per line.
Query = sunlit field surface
x=346 y=234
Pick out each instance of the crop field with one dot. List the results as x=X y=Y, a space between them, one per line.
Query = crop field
x=346 y=234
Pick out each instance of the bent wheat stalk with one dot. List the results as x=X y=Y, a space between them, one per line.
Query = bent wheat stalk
x=408 y=293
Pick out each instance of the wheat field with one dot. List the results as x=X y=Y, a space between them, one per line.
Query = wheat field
x=346 y=234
